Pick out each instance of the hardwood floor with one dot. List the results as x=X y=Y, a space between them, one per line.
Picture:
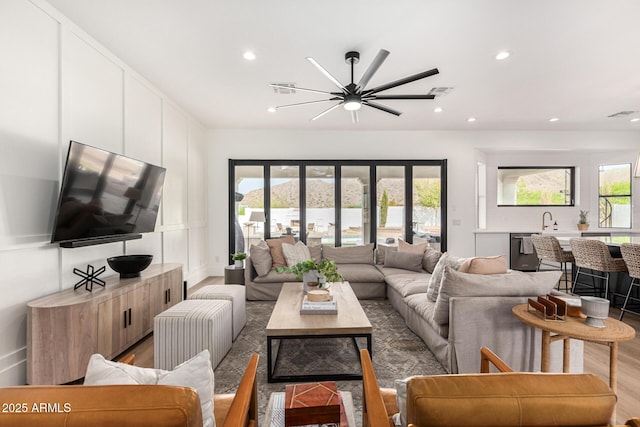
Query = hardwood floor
x=596 y=360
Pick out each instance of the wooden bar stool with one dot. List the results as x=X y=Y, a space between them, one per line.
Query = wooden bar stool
x=594 y=255
x=631 y=256
x=549 y=250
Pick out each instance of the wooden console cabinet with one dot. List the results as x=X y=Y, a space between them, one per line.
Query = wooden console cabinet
x=64 y=329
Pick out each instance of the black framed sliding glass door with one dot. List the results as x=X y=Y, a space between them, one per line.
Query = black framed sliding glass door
x=337 y=202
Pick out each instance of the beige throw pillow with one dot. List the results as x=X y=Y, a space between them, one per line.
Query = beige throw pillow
x=404 y=260
x=382 y=252
x=261 y=258
x=417 y=248
x=484 y=265
x=350 y=254
x=446 y=260
x=295 y=253
x=430 y=259
x=277 y=255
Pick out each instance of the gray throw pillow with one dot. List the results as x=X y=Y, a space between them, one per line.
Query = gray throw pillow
x=446 y=260
x=512 y=284
x=404 y=260
x=349 y=255
x=316 y=252
x=261 y=258
x=430 y=259
x=382 y=251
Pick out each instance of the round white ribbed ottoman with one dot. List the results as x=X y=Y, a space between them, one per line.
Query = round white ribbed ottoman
x=189 y=327
x=233 y=293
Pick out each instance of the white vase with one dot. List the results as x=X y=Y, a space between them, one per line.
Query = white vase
x=309 y=276
x=239 y=263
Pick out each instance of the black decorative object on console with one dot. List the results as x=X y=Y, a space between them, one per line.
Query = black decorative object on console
x=129 y=265
x=89 y=277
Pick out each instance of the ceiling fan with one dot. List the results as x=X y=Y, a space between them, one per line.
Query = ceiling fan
x=353 y=96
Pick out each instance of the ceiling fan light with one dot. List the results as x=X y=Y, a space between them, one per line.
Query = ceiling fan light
x=352 y=105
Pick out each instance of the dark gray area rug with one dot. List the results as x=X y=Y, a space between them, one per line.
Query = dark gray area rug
x=397 y=353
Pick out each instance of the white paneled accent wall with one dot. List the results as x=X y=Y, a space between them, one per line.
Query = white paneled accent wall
x=58 y=84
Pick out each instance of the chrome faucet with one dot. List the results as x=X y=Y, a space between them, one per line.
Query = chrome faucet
x=544 y=226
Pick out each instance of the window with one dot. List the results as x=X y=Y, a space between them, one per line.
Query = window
x=536 y=186
x=338 y=202
x=614 y=196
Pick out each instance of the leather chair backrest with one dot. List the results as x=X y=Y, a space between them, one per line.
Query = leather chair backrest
x=509 y=399
x=100 y=406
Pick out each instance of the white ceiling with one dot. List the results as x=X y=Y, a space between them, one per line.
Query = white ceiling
x=578 y=60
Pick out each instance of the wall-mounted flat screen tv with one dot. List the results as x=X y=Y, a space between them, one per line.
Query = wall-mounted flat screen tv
x=105 y=197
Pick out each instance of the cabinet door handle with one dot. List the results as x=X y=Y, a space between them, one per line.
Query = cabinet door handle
x=169 y=292
x=129 y=317
x=125 y=319
x=166 y=297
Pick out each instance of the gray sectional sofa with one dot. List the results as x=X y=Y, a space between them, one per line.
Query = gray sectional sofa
x=469 y=311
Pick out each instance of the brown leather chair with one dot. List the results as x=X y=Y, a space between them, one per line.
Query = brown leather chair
x=127 y=405
x=493 y=399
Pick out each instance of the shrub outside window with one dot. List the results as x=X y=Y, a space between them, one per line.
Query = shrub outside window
x=614 y=196
x=536 y=186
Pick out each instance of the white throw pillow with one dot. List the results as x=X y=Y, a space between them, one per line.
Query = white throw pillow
x=446 y=260
x=195 y=373
x=295 y=253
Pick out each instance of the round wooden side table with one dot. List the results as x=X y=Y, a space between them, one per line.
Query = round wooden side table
x=575 y=328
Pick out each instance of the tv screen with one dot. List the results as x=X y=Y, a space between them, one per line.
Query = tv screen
x=104 y=195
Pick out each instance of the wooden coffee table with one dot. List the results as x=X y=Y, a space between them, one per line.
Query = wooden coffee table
x=286 y=322
x=575 y=328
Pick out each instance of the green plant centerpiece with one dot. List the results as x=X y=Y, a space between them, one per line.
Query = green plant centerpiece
x=325 y=271
x=239 y=258
x=583 y=220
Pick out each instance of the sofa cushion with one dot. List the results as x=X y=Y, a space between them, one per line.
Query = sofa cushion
x=417 y=248
x=362 y=254
x=382 y=251
x=404 y=260
x=274 y=277
x=446 y=260
x=424 y=308
x=315 y=252
x=406 y=283
x=195 y=373
x=261 y=258
x=294 y=254
x=275 y=245
x=514 y=283
x=360 y=273
x=484 y=265
x=430 y=259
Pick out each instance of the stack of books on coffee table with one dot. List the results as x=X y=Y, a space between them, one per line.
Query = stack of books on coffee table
x=314 y=404
x=319 y=307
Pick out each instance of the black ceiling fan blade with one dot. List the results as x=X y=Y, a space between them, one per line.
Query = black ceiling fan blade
x=377 y=62
x=401 y=97
x=381 y=108
x=301 y=89
x=404 y=81
x=327 y=74
x=306 y=103
x=328 y=110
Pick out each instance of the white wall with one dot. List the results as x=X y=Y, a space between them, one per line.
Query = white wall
x=58 y=84
x=462 y=150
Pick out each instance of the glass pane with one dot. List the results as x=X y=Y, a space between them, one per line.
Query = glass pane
x=320 y=197
x=426 y=205
x=285 y=200
x=354 y=206
x=614 y=187
x=390 y=204
x=249 y=198
x=526 y=186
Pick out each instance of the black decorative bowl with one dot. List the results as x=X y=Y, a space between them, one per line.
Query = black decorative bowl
x=129 y=265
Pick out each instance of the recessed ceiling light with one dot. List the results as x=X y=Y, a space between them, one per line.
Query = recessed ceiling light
x=249 y=56
x=554 y=119
x=437 y=110
x=471 y=119
x=271 y=110
x=635 y=119
x=502 y=55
